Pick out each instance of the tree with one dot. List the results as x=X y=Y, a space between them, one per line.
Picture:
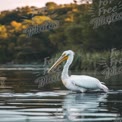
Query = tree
x=3 y=32
x=51 y=5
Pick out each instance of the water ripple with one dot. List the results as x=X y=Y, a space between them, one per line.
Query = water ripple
x=61 y=106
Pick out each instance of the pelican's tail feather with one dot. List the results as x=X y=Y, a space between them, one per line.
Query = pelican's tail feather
x=104 y=88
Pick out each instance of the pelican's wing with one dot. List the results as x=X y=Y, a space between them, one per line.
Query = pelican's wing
x=84 y=81
x=77 y=85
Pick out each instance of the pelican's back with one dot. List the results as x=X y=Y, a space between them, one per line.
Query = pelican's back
x=88 y=82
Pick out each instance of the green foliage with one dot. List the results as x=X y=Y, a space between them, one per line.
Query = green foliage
x=51 y=5
x=73 y=32
x=89 y=61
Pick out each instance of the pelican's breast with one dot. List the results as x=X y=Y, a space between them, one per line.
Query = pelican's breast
x=69 y=84
x=64 y=82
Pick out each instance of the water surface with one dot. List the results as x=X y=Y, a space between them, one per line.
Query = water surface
x=22 y=100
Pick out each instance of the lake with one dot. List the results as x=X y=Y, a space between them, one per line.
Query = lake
x=31 y=95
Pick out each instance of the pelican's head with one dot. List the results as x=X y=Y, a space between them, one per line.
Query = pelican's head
x=65 y=56
x=68 y=52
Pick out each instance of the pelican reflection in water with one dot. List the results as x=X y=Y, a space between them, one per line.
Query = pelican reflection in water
x=86 y=107
x=80 y=83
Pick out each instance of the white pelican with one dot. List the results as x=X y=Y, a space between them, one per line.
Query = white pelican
x=80 y=83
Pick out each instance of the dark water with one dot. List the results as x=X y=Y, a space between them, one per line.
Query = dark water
x=24 y=99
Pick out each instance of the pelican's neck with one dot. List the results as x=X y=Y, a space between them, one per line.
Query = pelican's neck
x=65 y=74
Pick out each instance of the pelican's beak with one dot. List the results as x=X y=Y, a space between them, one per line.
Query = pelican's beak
x=59 y=61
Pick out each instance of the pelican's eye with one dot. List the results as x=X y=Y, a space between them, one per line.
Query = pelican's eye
x=68 y=54
x=63 y=55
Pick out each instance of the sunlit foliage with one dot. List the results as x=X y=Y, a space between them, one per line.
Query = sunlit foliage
x=73 y=32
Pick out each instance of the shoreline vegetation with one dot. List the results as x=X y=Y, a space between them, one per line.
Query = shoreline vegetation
x=83 y=61
x=97 y=61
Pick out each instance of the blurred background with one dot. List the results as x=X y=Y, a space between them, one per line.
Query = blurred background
x=87 y=27
x=33 y=34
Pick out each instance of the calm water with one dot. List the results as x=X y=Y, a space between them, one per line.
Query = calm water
x=24 y=99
